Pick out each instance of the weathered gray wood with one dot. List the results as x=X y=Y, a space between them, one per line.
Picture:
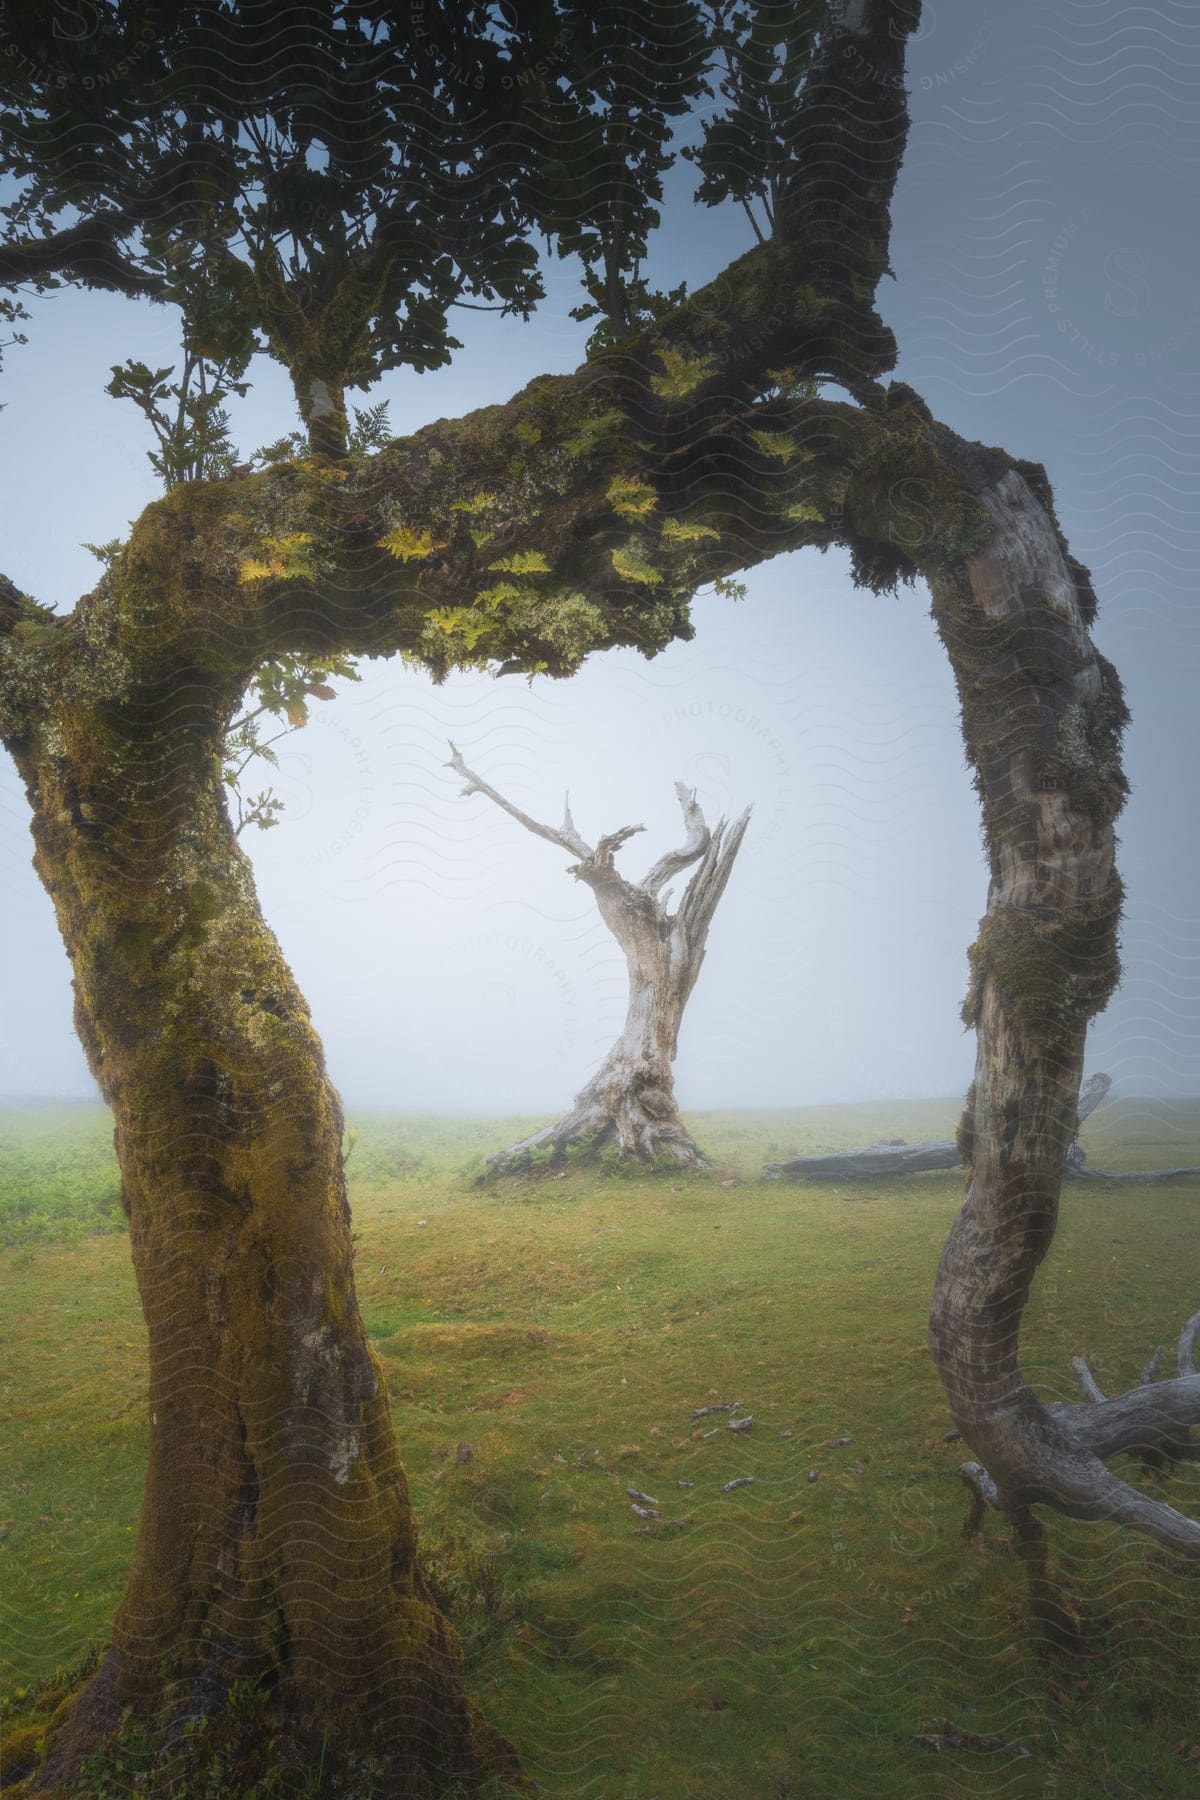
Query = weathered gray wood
x=630 y=1101
x=1154 y=1417
x=1139 y=1177
x=886 y=1161
x=875 y=1162
x=1092 y=1094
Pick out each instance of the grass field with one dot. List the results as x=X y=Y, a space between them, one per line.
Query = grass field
x=548 y=1341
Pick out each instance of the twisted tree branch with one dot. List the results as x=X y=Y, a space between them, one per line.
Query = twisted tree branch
x=1154 y=1419
x=674 y=861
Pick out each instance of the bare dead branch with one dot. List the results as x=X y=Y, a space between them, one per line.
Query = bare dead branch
x=1066 y=1464
x=1132 y=1177
x=1087 y=1380
x=601 y=858
x=875 y=1161
x=703 y=892
x=889 y=1159
x=697 y=842
x=567 y=838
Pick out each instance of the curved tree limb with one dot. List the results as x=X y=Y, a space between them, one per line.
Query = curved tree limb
x=670 y=865
x=698 y=411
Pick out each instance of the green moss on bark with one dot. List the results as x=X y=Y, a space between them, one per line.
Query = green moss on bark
x=1053 y=972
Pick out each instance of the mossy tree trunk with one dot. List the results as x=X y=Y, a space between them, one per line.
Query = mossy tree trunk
x=321 y=400
x=276 y=1543
x=1042 y=717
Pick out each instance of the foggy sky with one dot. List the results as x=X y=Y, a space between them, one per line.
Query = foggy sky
x=1046 y=300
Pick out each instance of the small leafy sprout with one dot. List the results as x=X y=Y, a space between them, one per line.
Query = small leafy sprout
x=10 y=312
x=592 y=432
x=282 y=689
x=283 y=450
x=369 y=431
x=498 y=594
x=802 y=511
x=791 y=385
x=106 y=552
x=185 y=413
x=478 y=503
x=262 y=810
x=729 y=590
x=461 y=621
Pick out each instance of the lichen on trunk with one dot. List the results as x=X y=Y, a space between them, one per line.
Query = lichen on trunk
x=277 y=1546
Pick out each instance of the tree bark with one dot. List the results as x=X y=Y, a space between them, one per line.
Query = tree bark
x=321 y=398
x=276 y=1543
x=630 y=1101
x=1042 y=719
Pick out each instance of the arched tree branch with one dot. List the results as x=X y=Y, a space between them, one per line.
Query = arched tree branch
x=698 y=838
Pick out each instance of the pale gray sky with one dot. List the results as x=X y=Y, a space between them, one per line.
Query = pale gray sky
x=1047 y=299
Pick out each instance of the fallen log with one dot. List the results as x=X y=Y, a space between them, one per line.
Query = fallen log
x=879 y=1161
x=1142 y=1176
x=889 y=1158
x=875 y=1161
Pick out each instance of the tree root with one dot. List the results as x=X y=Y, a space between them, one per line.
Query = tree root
x=638 y=1133
x=1057 y=1454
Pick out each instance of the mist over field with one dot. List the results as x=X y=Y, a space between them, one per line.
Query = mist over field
x=1046 y=300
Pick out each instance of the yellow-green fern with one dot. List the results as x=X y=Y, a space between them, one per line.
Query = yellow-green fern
x=283 y=559
x=630 y=497
x=681 y=374
x=523 y=562
x=778 y=444
x=686 y=531
x=407 y=544
x=631 y=565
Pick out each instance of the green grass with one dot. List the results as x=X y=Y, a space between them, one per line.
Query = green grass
x=547 y=1340
x=58 y=1175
